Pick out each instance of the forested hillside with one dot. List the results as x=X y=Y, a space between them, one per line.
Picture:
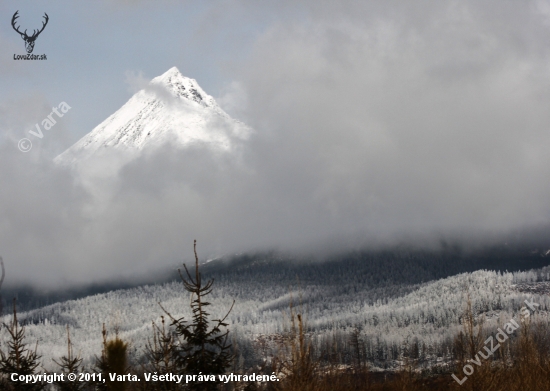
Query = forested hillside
x=390 y=268
x=397 y=304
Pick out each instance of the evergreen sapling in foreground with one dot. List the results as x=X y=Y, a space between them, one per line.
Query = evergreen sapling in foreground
x=70 y=364
x=19 y=358
x=203 y=347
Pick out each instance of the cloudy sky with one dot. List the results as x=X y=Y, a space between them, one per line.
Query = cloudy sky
x=373 y=120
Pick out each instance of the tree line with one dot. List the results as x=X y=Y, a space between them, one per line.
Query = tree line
x=304 y=357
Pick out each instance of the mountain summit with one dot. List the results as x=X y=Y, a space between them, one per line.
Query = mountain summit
x=171 y=109
x=184 y=87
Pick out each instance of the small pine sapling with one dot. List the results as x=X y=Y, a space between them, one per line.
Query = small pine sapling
x=70 y=364
x=203 y=348
x=19 y=358
x=160 y=354
x=113 y=360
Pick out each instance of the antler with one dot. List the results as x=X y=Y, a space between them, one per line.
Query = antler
x=36 y=34
x=13 y=20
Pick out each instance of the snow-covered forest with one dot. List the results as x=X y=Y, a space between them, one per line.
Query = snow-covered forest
x=391 y=310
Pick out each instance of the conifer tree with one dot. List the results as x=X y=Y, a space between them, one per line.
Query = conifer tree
x=160 y=353
x=117 y=362
x=113 y=360
x=101 y=365
x=70 y=364
x=18 y=358
x=203 y=347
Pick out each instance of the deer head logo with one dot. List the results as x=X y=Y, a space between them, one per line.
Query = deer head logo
x=29 y=40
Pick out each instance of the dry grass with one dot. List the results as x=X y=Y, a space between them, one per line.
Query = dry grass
x=522 y=363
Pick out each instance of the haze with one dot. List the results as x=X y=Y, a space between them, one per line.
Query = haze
x=373 y=121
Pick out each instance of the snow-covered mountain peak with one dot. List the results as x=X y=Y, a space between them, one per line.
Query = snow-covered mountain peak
x=183 y=87
x=174 y=71
x=172 y=109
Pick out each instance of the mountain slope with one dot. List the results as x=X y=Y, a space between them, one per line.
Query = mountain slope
x=172 y=109
x=427 y=313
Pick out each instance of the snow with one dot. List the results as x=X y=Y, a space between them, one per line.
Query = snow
x=430 y=313
x=172 y=109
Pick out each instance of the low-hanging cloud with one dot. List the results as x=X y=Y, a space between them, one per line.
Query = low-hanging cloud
x=371 y=121
x=405 y=119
